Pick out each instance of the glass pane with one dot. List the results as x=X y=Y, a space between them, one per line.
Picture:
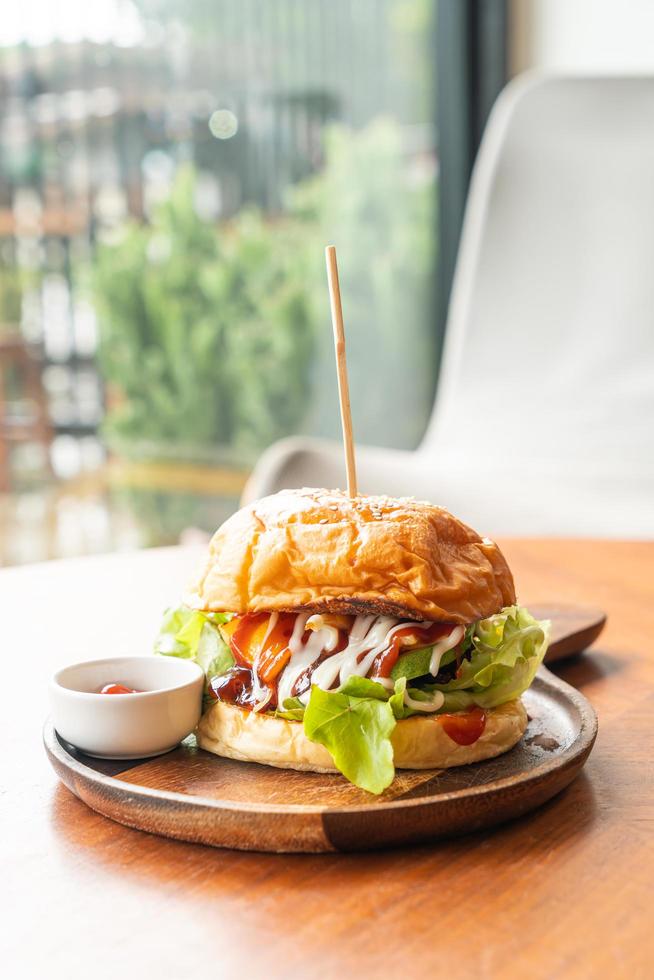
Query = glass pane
x=171 y=172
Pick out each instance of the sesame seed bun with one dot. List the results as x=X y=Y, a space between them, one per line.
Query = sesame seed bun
x=322 y=551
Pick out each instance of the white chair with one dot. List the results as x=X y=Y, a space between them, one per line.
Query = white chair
x=544 y=419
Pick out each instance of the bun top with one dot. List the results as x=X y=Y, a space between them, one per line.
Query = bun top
x=322 y=551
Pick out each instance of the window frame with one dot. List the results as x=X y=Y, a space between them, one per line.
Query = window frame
x=471 y=70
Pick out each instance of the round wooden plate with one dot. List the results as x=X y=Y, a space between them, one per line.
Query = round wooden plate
x=192 y=795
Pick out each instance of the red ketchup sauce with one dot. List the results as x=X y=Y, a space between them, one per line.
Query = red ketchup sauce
x=464 y=727
x=114 y=688
x=238 y=685
x=303 y=683
x=235 y=686
x=386 y=660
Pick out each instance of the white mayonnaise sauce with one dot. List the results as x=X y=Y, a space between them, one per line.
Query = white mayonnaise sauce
x=442 y=646
x=262 y=694
x=272 y=622
x=303 y=655
x=435 y=702
x=368 y=637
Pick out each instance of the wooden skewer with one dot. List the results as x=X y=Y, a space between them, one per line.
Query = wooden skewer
x=341 y=368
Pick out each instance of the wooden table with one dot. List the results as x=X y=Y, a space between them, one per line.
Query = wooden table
x=565 y=892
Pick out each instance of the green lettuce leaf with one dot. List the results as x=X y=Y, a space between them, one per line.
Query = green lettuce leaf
x=292 y=709
x=355 y=725
x=195 y=635
x=363 y=687
x=507 y=650
x=396 y=699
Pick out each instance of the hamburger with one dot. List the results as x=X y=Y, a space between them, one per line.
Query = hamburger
x=356 y=635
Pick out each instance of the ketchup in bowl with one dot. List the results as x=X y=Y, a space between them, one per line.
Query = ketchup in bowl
x=163 y=707
x=114 y=688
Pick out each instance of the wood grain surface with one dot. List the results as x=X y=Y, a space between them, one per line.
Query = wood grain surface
x=563 y=892
x=193 y=795
x=574 y=627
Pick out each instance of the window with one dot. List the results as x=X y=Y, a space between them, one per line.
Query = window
x=171 y=172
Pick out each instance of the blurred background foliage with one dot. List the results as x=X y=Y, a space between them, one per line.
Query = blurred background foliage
x=12 y=285
x=205 y=332
x=214 y=335
x=378 y=207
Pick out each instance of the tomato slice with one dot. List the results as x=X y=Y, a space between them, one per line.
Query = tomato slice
x=276 y=654
x=246 y=636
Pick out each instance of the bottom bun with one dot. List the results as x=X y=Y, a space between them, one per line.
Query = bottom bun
x=419 y=742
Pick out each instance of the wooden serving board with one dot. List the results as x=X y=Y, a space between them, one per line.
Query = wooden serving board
x=573 y=627
x=195 y=796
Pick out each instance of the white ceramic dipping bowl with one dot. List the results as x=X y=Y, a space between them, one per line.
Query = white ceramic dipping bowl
x=127 y=726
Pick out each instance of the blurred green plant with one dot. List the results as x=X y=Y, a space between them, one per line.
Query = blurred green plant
x=377 y=204
x=205 y=332
x=161 y=515
x=12 y=286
